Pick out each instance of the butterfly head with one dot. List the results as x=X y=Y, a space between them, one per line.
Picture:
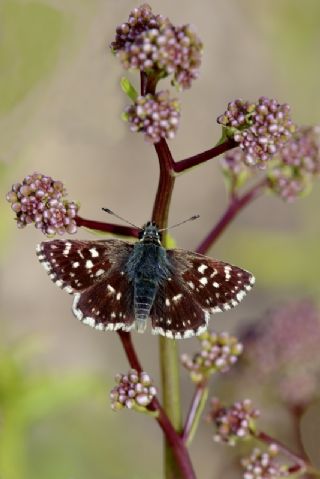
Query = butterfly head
x=150 y=233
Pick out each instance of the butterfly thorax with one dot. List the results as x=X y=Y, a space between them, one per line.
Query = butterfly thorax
x=147 y=267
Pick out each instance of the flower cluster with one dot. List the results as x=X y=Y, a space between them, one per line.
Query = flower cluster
x=41 y=200
x=298 y=163
x=233 y=162
x=141 y=19
x=218 y=353
x=157 y=116
x=261 y=129
x=234 y=422
x=152 y=44
x=292 y=169
x=134 y=390
x=262 y=465
x=283 y=349
x=286 y=183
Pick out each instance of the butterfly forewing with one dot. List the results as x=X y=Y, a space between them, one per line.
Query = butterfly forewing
x=76 y=265
x=94 y=272
x=216 y=286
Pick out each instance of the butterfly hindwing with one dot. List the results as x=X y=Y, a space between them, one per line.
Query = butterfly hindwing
x=106 y=305
x=175 y=314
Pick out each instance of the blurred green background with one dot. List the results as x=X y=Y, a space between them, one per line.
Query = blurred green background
x=60 y=106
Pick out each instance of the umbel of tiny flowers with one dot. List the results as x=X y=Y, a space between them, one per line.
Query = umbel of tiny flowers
x=219 y=351
x=291 y=171
x=297 y=165
x=157 y=116
x=133 y=391
x=262 y=465
x=233 y=423
x=152 y=44
x=42 y=201
x=283 y=349
x=261 y=129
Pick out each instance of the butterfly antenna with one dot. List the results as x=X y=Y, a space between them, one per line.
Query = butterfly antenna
x=119 y=217
x=195 y=217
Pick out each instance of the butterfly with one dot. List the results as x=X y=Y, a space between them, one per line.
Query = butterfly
x=119 y=285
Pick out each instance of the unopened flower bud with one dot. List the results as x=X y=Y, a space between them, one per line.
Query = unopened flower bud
x=134 y=390
x=42 y=201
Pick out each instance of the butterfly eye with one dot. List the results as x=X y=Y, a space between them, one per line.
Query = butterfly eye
x=141 y=233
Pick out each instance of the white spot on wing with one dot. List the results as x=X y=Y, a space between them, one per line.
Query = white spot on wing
x=177 y=297
x=240 y=295
x=227 y=270
x=203 y=280
x=67 y=248
x=94 y=252
x=89 y=264
x=202 y=268
x=47 y=266
x=68 y=289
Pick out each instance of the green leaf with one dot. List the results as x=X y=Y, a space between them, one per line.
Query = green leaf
x=128 y=89
x=124 y=116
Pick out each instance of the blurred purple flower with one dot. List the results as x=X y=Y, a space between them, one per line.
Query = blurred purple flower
x=298 y=164
x=219 y=352
x=262 y=465
x=233 y=423
x=283 y=349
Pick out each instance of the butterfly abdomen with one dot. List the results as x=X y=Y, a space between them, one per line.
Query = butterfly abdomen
x=145 y=290
x=147 y=268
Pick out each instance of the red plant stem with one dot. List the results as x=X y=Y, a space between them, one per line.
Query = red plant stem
x=143 y=83
x=177 y=446
x=165 y=185
x=127 y=344
x=266 y=439
x=196 y=160
x=236 y=205
x=119 y=230
x=168 y=348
